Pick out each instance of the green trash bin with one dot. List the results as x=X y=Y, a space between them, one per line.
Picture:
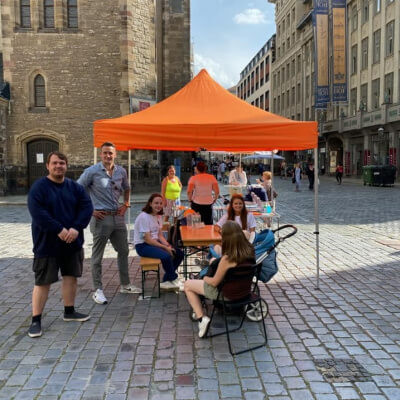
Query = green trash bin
x=373 y=175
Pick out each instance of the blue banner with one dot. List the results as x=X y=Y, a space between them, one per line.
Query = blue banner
x=321 y=42
x=339 y=67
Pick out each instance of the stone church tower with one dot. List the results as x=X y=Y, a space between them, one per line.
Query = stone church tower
x=70 y=62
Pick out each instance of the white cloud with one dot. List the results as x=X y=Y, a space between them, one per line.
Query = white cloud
x=215 y=69
x=252 y=16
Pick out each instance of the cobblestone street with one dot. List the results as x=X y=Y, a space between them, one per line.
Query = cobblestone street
x=339 y=342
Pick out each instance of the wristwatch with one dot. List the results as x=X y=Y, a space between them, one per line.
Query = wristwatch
x=126 y=204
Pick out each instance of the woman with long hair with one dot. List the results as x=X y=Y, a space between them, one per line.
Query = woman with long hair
x=171 y=188
x=236 y=251
x=238 y=213
x=150 y=242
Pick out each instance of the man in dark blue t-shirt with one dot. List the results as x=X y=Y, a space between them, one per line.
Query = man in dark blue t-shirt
x=60 y=210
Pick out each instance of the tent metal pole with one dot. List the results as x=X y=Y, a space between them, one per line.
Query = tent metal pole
x=130 y=183
x=316 y=211
x=272 y=178
x=94 y=155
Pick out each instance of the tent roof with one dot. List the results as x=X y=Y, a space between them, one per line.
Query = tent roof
x=204 y=115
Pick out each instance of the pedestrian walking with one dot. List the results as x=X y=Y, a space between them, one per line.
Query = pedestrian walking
x=339 y=173
x=171 y=188
x=202 y=192
x=283 y=169
x=310 y=175
x=60 y=210
x=106 y=182
x=297 y=177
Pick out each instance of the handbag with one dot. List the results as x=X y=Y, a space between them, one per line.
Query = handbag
x=294 y=179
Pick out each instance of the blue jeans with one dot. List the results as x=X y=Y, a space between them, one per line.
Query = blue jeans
x=170 y=264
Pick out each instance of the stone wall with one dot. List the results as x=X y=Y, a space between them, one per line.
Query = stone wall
x=89 y=72
x=82 y=70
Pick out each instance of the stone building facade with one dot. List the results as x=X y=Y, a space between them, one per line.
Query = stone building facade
x=70 y=62
x=365 y=129
x=255 y=80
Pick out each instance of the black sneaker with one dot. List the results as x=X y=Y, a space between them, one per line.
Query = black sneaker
x=76 y=316
x=35 y=330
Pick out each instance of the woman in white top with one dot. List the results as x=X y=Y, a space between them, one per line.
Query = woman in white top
x=150 y=242
x=202 y=192
x=238 y=213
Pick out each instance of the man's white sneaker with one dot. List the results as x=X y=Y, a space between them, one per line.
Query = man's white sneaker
x=99 y=298
x=168 y=285
x=130 y=289
x=203 y=326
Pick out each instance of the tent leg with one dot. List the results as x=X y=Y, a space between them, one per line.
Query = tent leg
x=272 y=177
x=129 y=209
x=316 y=212
x=94 y=155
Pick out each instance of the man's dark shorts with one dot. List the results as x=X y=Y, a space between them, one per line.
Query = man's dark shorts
x=46 y=268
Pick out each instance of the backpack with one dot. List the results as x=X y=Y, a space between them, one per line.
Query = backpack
x=174 y=234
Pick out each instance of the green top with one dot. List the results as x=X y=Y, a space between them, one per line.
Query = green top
x=172 y=190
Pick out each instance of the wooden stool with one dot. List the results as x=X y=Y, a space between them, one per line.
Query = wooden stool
x=150 y=265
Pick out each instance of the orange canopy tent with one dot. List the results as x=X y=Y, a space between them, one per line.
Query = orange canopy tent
x=204 y=115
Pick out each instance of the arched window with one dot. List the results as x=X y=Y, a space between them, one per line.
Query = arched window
x=39 y=91
x=25 y=10
x=48 y=6
x=72 y=13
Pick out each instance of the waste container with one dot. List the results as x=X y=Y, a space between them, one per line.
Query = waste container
x=377 y=175
x=372 y=175
x=388 y=175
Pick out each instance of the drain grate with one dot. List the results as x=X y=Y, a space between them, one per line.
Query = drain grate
x=336 y=370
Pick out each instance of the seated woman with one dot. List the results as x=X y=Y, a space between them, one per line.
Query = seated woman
x=150 y=242
x=266 y=182
x=236 y=251
x=238 y=213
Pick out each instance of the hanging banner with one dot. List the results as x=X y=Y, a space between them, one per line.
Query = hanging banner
x=320 y=25
x=339 y=73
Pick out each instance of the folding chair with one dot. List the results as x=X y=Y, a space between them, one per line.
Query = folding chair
x=239 y=279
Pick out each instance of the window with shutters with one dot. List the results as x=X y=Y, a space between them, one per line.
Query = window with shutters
x=389 y=39
x=365 y=11
x=25 y=13
x=72 y=13
x=364 y=53
x=364 y=96
x=377 y=6
x=377 y=46
x=39 y=91
x=375 y=93
x=353 y=101
x=354 y=59
x=354 y=19
x=48 y=13
x=388 y=88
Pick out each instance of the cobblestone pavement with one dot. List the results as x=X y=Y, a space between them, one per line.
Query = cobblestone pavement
x=340 y=342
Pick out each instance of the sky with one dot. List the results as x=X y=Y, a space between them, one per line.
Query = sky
x=227 y=34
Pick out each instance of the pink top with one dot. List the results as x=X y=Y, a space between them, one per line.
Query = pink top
x=202 y=187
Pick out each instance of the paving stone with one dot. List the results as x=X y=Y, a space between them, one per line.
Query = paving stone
x=230 y=391
x=149 y=350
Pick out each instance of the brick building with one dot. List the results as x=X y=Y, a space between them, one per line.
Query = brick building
x=70 y=62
